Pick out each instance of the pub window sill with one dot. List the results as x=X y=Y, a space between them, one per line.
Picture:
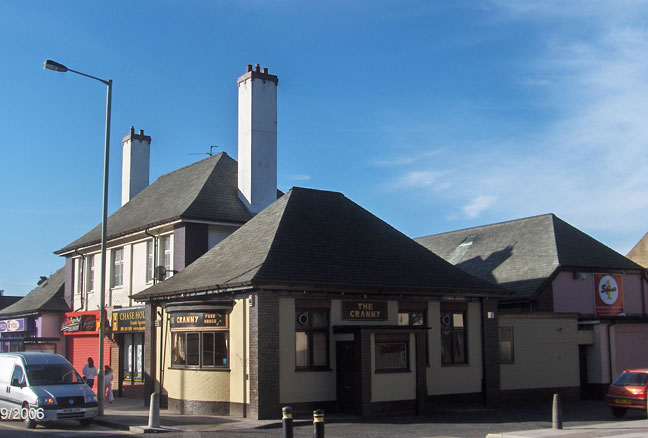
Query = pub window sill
x=197 y=368
x=395 y=371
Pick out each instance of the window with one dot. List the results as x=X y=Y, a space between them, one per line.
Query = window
x=199 y=349
x=506 y=345
x=150 y=267
x=312 y=339
x=468 y=240
x=18 y=376
x=90 y=260
x=165 y=254
x=416 y=318
x=118 y=267
x=453 y=337
x=392 y=353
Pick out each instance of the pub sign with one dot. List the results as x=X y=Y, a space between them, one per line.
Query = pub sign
x=364 y=310
x=608 y=294
x=198 y=320
x=128 y=320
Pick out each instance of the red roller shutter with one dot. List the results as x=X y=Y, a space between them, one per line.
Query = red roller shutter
x=80 y=348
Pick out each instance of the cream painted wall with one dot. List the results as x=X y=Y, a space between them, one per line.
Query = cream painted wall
x=598 y=356
x=393 y=386
x=301 y=386
x=545 y=353
x=237 y=333
x=457 y=379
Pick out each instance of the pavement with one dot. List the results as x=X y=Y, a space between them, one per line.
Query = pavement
x=131 y=414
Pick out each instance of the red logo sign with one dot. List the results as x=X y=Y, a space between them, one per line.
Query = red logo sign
x=609 y=294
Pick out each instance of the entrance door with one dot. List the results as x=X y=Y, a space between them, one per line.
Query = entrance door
x=346 y=385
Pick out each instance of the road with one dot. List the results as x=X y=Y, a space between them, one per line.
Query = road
x=63 y=429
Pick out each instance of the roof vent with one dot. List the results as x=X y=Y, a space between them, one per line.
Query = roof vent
x=468 y=240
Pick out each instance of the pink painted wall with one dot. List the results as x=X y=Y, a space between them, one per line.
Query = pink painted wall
x=629 y=347
x=576 y=295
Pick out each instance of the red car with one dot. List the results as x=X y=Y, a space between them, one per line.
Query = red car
x=628 y=391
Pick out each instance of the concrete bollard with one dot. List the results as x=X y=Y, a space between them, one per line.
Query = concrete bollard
x=287 y=422
x=318 y=423
x=556 y=413
x=154 y=410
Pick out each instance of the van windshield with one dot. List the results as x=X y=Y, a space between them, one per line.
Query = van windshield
x=52 y=374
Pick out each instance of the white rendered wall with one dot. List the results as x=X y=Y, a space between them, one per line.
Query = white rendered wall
x=257 y=143
x=135 y=168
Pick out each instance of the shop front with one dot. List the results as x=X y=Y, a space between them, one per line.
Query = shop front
x=128 y=326
x=26 y=334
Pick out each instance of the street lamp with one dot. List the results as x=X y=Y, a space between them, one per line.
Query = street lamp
x=55 y=66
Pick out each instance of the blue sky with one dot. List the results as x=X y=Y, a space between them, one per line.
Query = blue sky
x=433 y=115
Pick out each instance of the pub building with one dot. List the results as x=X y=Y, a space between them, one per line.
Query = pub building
x=128 y=326
x=317 y=303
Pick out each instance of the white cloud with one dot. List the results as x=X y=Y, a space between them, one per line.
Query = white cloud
x=418 y=179
x=300 y=177
x=405 y=160
x=477 y=205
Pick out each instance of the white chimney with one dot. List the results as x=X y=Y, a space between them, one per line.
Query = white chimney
x=257 y=138
x=136 y=157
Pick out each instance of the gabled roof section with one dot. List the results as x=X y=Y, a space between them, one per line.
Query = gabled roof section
x=320 y=240
x=520 y=255
x=639 y=254
x=46 y=297
x=206 y=190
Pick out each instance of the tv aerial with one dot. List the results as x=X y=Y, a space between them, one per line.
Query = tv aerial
x=210 y=153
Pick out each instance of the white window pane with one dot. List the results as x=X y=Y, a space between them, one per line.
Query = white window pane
x=301 y=349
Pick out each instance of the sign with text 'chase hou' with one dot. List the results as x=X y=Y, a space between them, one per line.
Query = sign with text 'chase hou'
x=128 y=320
x=364 y=310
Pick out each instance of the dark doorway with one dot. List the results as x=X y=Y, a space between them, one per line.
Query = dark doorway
x=346 y=385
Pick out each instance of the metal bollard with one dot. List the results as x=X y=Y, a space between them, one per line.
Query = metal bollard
x=287 y=422
x=318 y=423
x=556 y=413
x=154 y=410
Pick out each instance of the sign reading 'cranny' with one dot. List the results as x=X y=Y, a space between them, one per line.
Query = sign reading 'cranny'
x=198 y=320
x=364 y=310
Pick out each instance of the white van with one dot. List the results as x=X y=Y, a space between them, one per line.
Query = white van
x=40 y=387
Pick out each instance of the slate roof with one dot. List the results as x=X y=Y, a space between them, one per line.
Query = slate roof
x=319 y=240
x=46 y=297
x=8 y=300
x=205 y=190
x=520 y=255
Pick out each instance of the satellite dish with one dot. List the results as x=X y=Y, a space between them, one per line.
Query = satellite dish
x=160 y=273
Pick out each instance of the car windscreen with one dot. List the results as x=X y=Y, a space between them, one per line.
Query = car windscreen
x=52 y=374
x=631 y=379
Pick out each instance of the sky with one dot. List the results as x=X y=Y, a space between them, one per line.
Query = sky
x=433 y=115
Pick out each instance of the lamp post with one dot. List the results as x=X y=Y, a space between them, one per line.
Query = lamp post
x=55 y=66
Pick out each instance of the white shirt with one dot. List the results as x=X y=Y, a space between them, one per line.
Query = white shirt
x=108 y=378
x=90 y=373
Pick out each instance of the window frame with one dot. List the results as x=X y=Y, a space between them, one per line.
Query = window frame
x=381 y=340
x=165 y=253
x=150 y=261
x=309 y=330
x=510 y=360
x=453 y=331
x=89 y=273
x=200 y=353
x=117 y=273
x=424 y=313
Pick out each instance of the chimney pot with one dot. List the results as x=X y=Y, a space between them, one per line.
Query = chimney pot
x=265 y=70
x=141 y=132
x=249 y=68
x=132 y=130
x=257 y=68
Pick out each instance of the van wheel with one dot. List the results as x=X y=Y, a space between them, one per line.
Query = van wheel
x=618 y=412
x=29 y=422
x=85 y=421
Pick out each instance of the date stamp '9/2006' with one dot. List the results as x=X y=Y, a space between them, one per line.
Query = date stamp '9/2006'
x=22 y=413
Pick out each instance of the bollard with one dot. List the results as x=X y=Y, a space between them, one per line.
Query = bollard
x=154 y=410
x=287 y=422
x=556 y=414
x=318 y=423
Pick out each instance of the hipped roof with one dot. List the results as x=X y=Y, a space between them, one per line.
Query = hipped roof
x=46 y=297
x=319 y=240
x=520 y=255
x=206 y=190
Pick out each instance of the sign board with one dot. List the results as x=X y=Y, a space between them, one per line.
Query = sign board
x=198 y=320
x=608 y=294
x=80 y=323
x=12 y=325
x=364 y=310
x=128 y=320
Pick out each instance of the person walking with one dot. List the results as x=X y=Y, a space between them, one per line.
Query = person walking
x=90 y=372
x=108 y=379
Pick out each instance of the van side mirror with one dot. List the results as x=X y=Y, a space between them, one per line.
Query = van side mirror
x=16 y=382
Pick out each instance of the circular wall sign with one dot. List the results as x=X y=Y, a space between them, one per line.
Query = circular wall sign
x=608 y=289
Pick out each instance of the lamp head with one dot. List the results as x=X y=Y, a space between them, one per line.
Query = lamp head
x=53 y=65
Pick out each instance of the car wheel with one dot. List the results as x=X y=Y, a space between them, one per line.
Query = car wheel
x=618 y=412
x=85 y=421
x=30 y=423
